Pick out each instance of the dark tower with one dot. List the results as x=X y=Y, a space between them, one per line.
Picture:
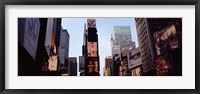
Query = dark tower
x=92 y=57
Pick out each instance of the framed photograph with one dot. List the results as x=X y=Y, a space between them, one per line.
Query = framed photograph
x=100 y=46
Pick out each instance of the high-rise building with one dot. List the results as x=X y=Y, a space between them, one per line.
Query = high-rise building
x=72 y=66
x=146 y=49
x=90 y=49
x=83 y=58
x=120 y=36
x=121 y=43
x=160 y=42
x=81 y=65
x=64 y=50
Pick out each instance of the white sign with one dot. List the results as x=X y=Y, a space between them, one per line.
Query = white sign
x=133 y=63
x=116 y=49
x=134 y=58
x=32 y=29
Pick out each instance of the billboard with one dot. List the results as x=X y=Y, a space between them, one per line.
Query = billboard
x=92 y=49
x=91 y=23
x=53 y=63
x=134 y=58
x=166 y=40
x=115 y=49
x=163 y=67
x=31 y=35
x=93 y=65
x=126 y=48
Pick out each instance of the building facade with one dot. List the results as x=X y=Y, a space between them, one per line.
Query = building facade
x=83 y=59
x=72 y=66
x=90 y=49
x=121 y=43
x=64 y=50
x=120 y=36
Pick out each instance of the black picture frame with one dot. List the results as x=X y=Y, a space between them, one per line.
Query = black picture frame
x=3 y=3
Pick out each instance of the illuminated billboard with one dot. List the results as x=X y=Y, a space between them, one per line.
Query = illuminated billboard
x=93 y=65
x=31 y=34
x=92 y=49
x=53 y=63
x=165 y=40
x=163 y=67
x=91 y=23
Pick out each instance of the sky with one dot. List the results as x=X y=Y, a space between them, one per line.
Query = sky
x=75 y=28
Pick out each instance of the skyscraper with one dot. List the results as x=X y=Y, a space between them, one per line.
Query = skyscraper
x=145 y=45
x=64 y=50
x=72 y=66
x=121 y=43
x=83 y=58
x=91 y=48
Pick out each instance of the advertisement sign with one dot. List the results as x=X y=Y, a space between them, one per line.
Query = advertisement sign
x=165 y=40
x=93 y=65
x=92 y=49
x=52 y=63
x=32 y=29
x=125 y=49
x=91 y=23
x=115 y=49
x=163 y=68
x=134 y=58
